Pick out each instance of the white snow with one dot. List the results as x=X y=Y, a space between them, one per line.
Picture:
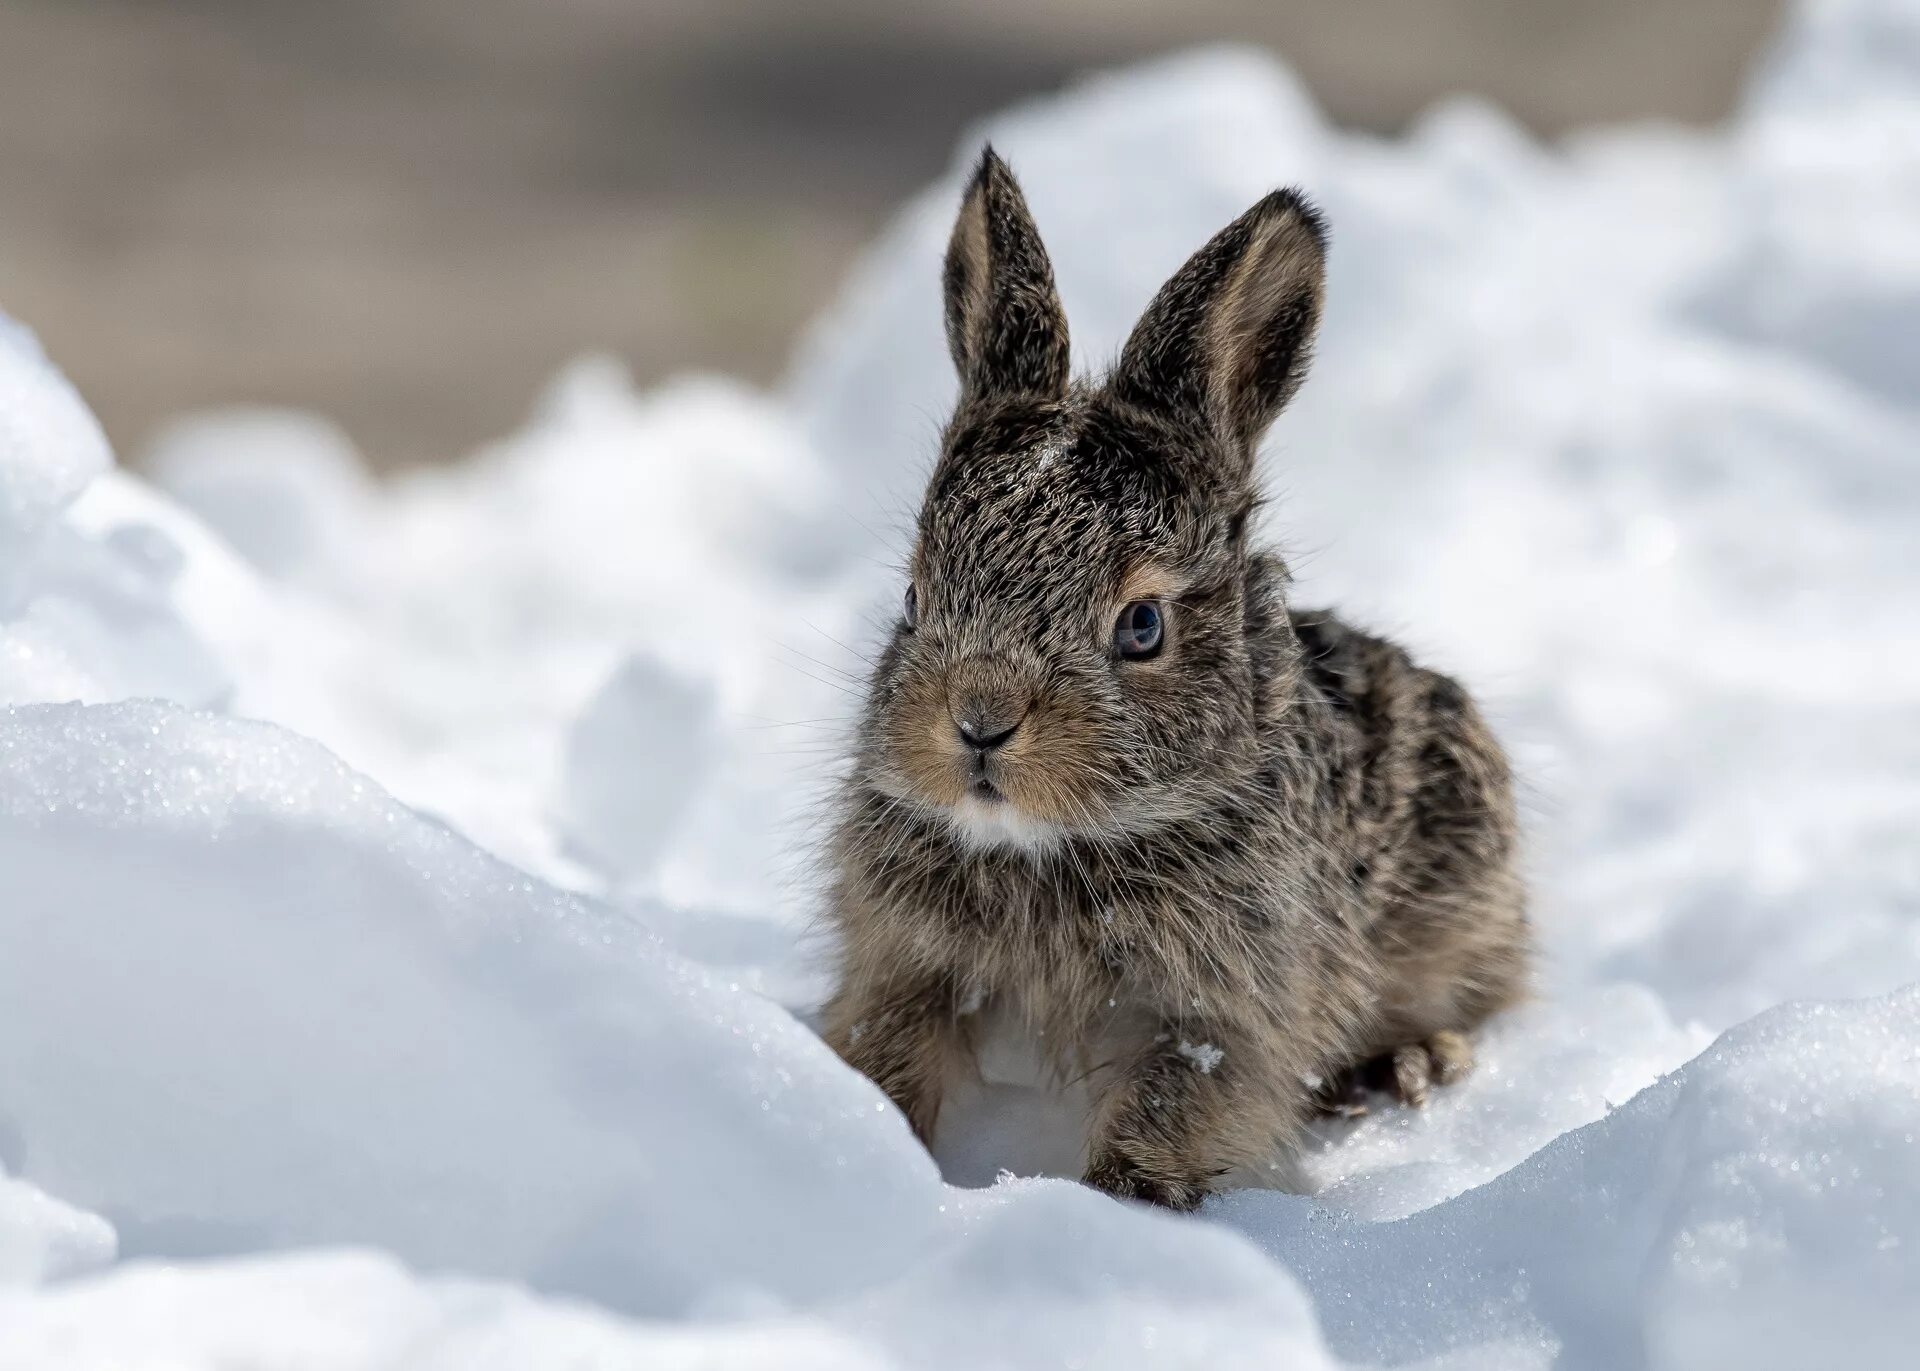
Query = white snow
x=41 y=1237
x=1204 y=1056
x=50 y=444
x=270 y=1007
x=404 y=949
x=1757 y=1208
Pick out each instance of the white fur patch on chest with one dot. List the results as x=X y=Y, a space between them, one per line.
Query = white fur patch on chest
x=1019 y=1111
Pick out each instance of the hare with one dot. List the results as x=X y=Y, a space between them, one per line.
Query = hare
x=1223 y=859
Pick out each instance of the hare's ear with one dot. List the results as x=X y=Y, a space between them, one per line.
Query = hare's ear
x=1004 y=322
x=1226 y=342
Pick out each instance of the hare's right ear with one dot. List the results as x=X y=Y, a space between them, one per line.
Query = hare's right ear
x=1226 y=342
x=1005 y=326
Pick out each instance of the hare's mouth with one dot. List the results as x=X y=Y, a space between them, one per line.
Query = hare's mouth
x=985 y=818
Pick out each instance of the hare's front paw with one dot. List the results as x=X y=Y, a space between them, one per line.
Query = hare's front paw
x=1127 y=1179
x=1440 y=1060
x=1408 y=1073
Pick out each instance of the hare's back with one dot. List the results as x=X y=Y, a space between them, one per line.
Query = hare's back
x=1424 y=819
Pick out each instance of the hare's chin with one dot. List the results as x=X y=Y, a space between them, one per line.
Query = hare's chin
x=997 y=824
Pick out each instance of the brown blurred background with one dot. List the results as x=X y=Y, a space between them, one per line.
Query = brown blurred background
x=407 y=213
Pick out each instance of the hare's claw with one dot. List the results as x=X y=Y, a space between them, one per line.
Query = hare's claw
x=1342 y=1096
x=1408 y=1073
x=1440 y=1060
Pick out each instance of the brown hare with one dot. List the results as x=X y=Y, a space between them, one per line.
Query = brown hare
x=1219 y=857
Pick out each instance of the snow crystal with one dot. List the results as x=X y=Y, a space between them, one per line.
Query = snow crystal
x=1204 y=1056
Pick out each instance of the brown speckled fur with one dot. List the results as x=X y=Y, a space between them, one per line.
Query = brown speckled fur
x=1276 y=854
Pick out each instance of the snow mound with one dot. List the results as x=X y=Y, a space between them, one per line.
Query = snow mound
x=1754 y=1209
x=1820 y=263
x=352 y=1311
x=270 y=1007
x=42 y=1238
x=50 y=444
x=637 y=751
x=403 y=951
x=1055 y=1276
x=286 y=489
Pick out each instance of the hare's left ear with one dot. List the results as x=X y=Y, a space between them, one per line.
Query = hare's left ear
x=1226 y=342
x=1005 y=326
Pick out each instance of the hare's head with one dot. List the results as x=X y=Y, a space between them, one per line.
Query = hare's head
x=1072 y=653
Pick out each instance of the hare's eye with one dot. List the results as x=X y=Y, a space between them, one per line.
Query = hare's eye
x=1138 y=630
x=911 y=609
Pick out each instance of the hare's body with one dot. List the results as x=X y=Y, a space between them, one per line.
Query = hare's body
x=1355 y=899
x=1209 y=863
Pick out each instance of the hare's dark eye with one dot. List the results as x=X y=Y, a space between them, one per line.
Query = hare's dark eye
x=911 y=609
x=1138 y=630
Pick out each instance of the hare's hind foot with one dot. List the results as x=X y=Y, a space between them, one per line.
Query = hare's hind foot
x=1408 y=1073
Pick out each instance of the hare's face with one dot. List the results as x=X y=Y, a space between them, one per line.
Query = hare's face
x=1072 y=657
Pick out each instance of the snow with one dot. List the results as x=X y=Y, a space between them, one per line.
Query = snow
x=282 y=974
x=1204 y=1056
x=41 y=1237
x=405 y=954
x=1763 y=1198
x=634 y=758
x=330 y=1311
x=50 y=444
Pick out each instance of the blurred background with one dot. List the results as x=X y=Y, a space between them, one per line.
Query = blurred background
x=406 y=214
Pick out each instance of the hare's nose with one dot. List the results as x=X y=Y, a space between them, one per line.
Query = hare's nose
x=983 y=729
x=986 y=699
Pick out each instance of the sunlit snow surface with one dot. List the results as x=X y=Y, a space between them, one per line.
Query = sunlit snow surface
x=398 y=939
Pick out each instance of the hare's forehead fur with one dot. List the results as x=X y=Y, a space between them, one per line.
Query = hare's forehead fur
x=1037 y=506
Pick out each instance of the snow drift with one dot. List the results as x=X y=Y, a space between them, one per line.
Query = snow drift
x=403 y=950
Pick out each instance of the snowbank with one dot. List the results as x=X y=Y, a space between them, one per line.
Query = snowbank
x=270 y=1007
x=50 y=444
x=1754 y=1209
x=41 y=1237
x=406 y=885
